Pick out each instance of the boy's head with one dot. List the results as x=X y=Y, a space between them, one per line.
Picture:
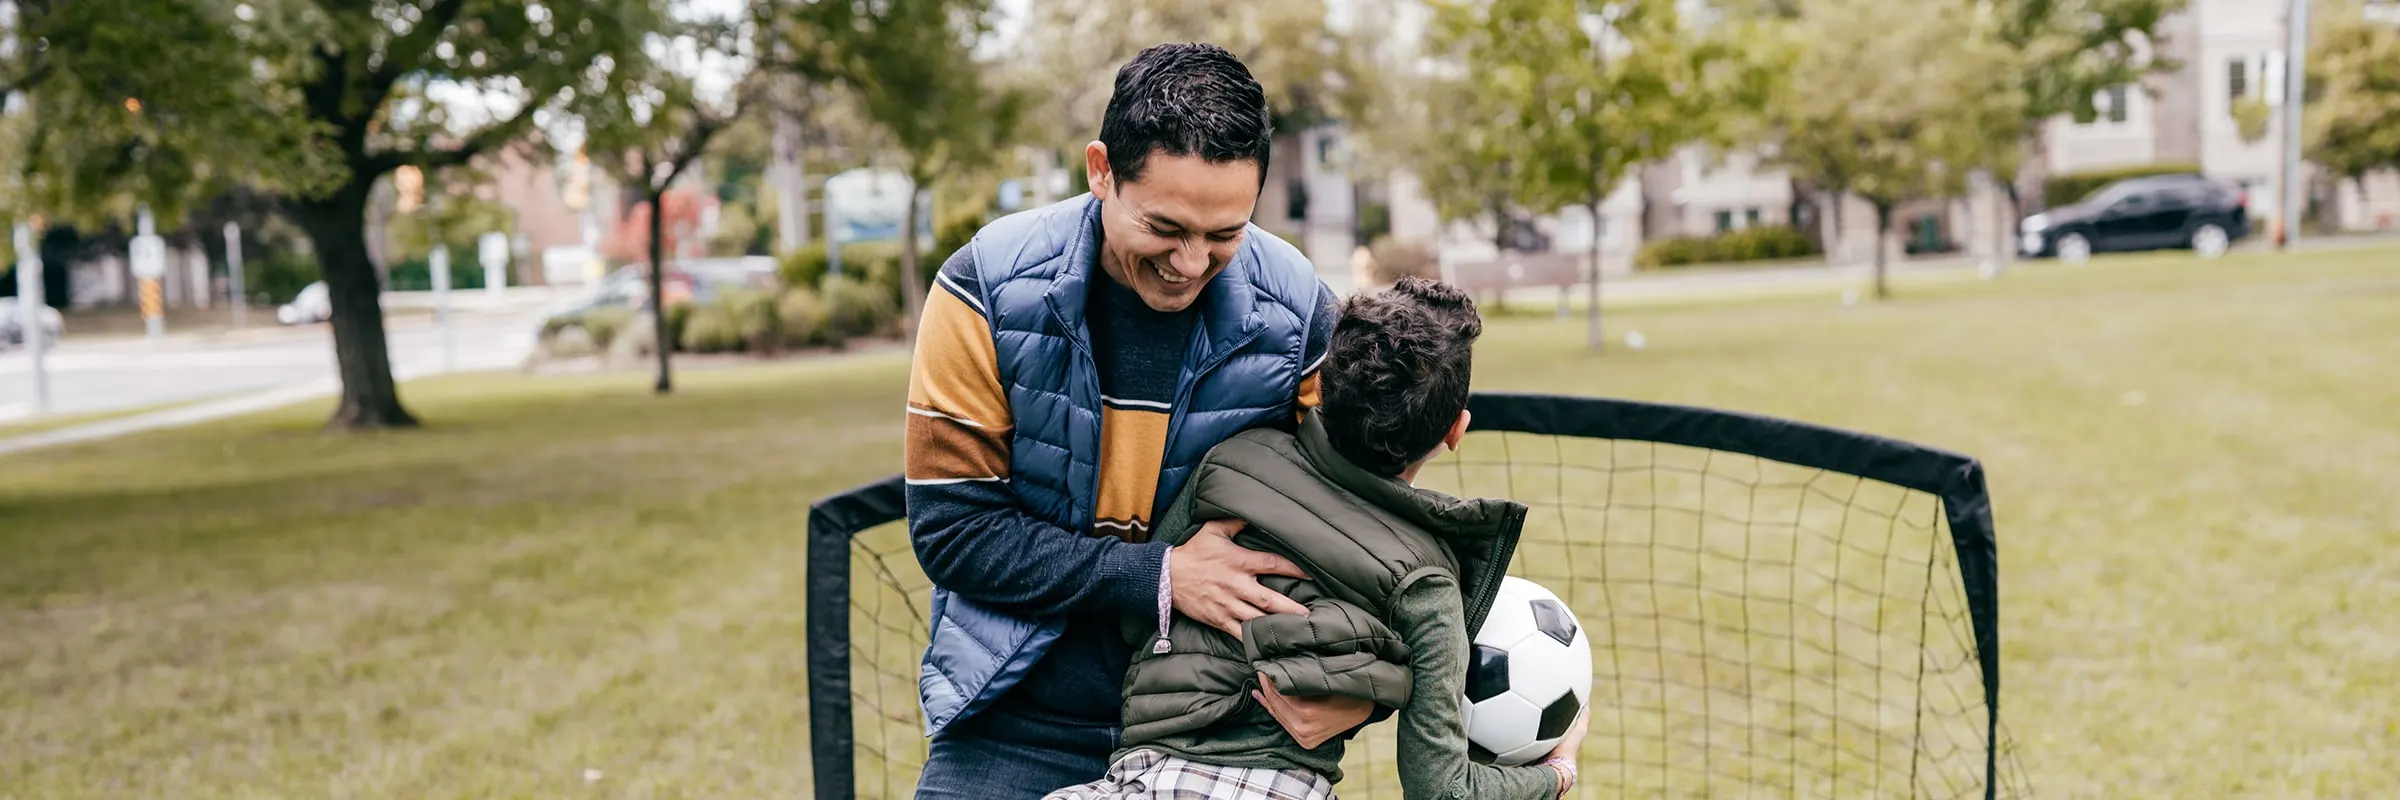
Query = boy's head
x=1395 y=378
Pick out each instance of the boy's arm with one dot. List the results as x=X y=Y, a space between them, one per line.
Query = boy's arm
x=1432 y=618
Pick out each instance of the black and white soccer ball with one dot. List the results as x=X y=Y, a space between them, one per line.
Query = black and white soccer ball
x=1528 y=676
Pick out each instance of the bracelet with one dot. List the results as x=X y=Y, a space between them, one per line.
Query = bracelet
x=1566 y=773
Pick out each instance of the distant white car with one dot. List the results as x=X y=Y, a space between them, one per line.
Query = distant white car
x=12 y=330
x=314 y=305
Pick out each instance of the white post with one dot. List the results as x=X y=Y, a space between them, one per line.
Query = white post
x=2295 y=82
x=233 y=274
x=149 y=256
x=492 y=250
x=29 y=312
x=439 y=262
x=195 y=264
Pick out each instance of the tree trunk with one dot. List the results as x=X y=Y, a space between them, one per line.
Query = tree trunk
x=1883 y=233
x=665 y=345
x=912 y=296
x=2008 y=228
x=1835 y=235
x=1593 y=292
x=336 y=227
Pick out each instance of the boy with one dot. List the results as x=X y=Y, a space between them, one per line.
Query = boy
x=1400 y=578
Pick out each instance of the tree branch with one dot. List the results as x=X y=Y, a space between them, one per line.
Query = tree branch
x=476 y=144
x=406 y=54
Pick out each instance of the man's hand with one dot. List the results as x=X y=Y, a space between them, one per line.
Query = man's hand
x=1312 y=721
x=1215 y=581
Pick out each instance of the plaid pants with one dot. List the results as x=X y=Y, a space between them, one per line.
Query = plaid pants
x=1157 y=776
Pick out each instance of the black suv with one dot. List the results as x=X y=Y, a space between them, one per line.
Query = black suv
x=2151 y=213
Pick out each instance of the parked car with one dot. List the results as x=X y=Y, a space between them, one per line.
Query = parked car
x=2150 y=213
x=314 y=304
x=12 y=327
x=696 y=281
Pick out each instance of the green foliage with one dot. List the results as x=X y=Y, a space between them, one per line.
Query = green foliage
x=802 y=268
x=1893 y=135
x=855 y=308
x=912 y=70
x=416 y=274
x=2353 y=119
x=1310 y=72
x=461 y=219
x=2067 y=54
x=603 y=324
x=711 y=329
x=1764 y=243
x=755 y=316
x=279 y=277
x=805 y=318
x=2251 y=116
x=2060 y=190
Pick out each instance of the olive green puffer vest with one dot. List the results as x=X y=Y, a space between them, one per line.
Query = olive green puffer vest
x=1362 y=538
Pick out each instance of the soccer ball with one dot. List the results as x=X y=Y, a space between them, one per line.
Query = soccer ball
x=1528 y=675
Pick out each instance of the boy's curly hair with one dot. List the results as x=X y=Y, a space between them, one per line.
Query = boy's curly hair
x=1396 y=375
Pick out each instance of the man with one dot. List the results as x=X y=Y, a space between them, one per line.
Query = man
x=1073 y=365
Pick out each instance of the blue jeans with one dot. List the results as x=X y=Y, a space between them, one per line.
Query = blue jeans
x=1001 y=755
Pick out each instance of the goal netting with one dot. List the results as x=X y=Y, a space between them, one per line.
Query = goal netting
x=1776 y=609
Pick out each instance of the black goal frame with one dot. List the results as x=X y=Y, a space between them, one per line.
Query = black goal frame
x=1958 y=481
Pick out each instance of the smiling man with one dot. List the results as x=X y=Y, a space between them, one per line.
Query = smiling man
x=1073 y=364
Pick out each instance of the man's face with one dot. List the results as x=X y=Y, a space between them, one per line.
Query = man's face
x=1167 y=235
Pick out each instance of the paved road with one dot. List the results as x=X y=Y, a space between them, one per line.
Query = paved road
x=109 y=375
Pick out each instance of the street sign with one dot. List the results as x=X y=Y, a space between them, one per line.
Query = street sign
x=149 y=253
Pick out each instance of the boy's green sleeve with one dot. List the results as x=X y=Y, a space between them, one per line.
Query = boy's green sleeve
x=1431 y=617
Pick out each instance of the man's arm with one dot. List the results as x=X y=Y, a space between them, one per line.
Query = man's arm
x=1431 y=617
x=963 y=519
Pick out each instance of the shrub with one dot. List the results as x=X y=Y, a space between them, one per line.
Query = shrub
x=1765 y=243
x=803 y=268
x=807 y=267
x=856 y=308
x=278 y=278
x=1394 y=259
x=2060 y=190
x=679 y=316
x=603 y=324
x=754 y=314
x=1673 y=251
x=712 y=329
x=803 y=316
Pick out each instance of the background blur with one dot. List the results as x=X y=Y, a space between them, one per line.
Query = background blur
x=343 y=449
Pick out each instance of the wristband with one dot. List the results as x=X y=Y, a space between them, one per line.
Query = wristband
x=1566 y=773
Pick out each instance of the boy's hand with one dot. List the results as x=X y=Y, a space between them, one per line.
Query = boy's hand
x=1215 y=581
x=1312 y=721
x=1569 y=744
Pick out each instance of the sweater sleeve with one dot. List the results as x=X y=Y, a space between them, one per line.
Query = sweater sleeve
x=963 y=520
x=1431 y=617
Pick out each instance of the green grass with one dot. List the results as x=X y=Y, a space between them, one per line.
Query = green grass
x=42 y=424
x=2191 y=462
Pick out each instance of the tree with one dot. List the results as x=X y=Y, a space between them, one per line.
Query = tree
x=1890 y=133
x=1073 y=50
x=1585 y=91
x=651 y=129
x=316 y=101
x=911 y=71
x=2353 y=119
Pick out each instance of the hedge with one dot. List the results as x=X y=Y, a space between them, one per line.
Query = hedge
x=1764 y=243
x=2061 y=190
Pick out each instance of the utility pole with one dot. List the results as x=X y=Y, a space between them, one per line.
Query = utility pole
x=2295 y=85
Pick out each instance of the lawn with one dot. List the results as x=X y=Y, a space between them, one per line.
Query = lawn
x=567 y=587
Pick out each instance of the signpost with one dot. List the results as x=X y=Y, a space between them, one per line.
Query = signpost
x=29 y=312
x=492 y=250
x=149 y=256
x=439 y=262
x=233 y=273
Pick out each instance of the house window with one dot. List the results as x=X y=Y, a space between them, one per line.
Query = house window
x=1750 y=218
x=1724 y=221
x=2237 y=79
x=2116 y=100
x=1295 y=198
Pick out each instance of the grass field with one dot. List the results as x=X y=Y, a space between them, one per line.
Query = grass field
x=567 y=587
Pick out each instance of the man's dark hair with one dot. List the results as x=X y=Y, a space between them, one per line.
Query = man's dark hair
x=1396 y=374
x=1185 y=99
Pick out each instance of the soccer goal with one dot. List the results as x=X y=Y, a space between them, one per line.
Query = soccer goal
x=1776 y=609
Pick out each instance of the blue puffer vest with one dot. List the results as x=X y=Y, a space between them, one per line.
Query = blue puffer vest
x=1242 y=370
